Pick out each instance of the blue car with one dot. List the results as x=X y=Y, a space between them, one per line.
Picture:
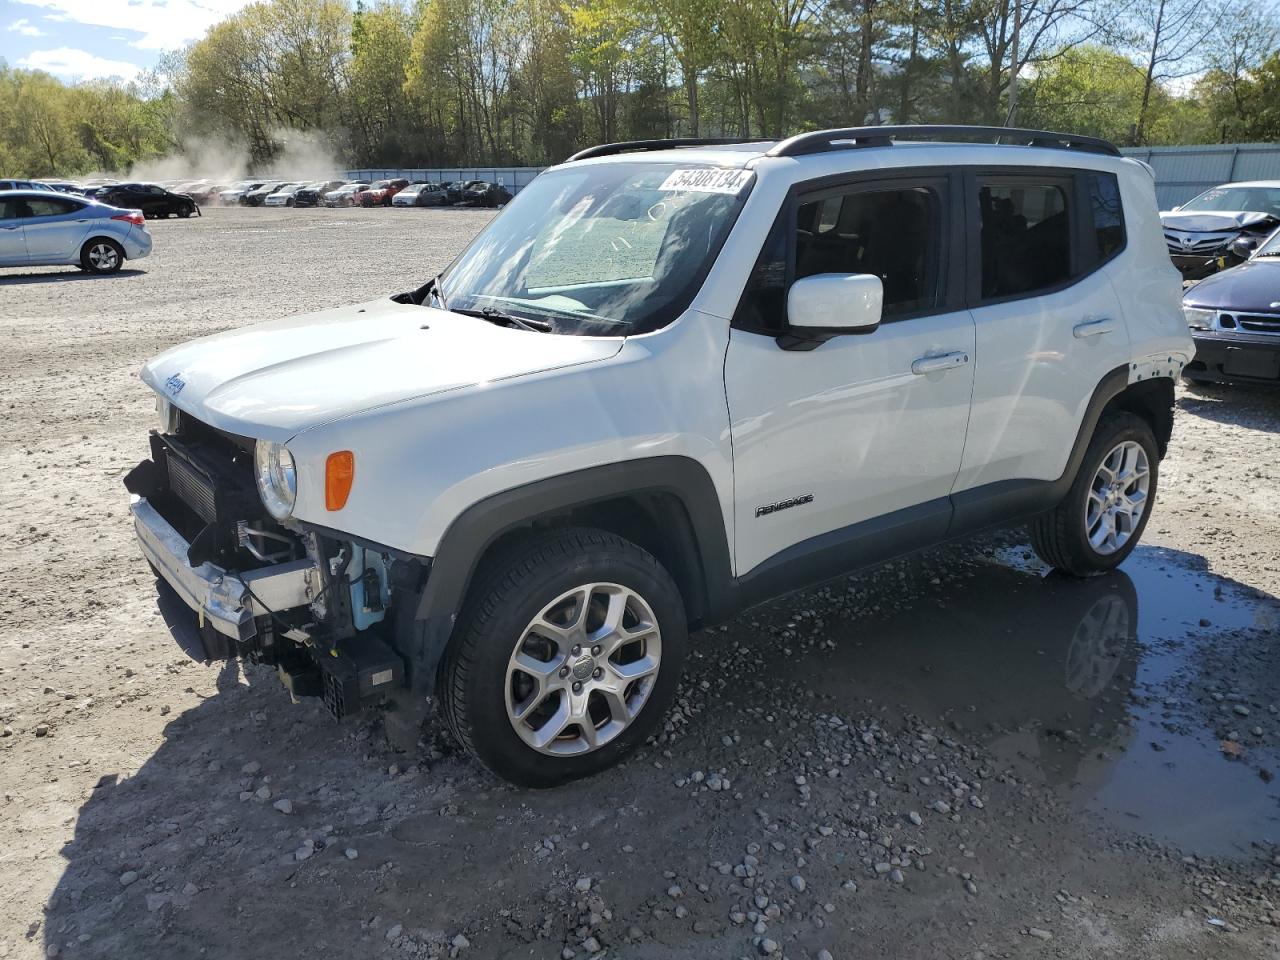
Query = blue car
x=1234 y=318
x=42 y=228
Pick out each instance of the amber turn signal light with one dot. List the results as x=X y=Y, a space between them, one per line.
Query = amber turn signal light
x=339 y=473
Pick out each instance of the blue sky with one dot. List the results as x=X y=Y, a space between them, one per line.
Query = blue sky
x=85 y=39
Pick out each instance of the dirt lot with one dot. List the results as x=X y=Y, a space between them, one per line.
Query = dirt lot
x=953 y=757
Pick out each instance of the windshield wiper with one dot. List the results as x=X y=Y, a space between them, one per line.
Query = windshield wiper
x=508 y=319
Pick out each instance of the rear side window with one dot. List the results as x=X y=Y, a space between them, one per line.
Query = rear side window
x=1108 y=215
x=51 y=207
x=1025 y=236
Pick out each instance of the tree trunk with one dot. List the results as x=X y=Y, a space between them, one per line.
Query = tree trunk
x=1148 y=80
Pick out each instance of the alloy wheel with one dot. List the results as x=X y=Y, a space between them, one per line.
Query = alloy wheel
x=103 y=256
x=1117 y=497
x=583 y=669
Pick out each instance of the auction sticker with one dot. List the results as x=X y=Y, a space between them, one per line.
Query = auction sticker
x=704 y=180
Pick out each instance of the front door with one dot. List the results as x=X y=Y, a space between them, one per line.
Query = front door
x=54 y=228
x=864 y=433
x=13 y=246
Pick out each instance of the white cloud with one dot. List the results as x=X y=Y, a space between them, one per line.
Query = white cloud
x=26 y=28
x=73 y=64
x=164 y=24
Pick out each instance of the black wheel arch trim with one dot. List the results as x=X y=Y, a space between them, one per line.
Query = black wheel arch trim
x=471 y=534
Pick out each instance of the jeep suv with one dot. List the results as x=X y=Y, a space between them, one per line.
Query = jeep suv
x=671 y=380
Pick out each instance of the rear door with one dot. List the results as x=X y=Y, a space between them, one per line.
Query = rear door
x=1049 y=323
x=13 y=245
x=54 y=227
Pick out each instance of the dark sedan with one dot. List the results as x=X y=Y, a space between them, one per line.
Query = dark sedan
x=312 y=195
x=482 y=193
x=151 y=198
x=258 y=196
x=1235 y=321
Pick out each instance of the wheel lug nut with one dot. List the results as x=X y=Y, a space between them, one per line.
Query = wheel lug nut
x=564 y=672
x=595 y=651
x=576 y=650
x=599 y=672
x=577 y=686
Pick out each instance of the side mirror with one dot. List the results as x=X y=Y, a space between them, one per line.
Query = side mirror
x=1176 y=209
x=1242 y=247
x=830 y=304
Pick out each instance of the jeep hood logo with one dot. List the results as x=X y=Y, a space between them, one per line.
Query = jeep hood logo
x=175 y=384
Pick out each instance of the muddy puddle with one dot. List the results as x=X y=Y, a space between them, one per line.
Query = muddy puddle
x=1148 y=697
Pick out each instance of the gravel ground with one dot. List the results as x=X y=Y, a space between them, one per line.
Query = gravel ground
x=955 y=756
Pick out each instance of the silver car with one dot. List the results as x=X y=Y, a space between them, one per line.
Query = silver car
x=40 y=228
x=24 y=185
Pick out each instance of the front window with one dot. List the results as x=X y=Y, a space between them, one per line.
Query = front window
x=1231 y=199
x=605 y=249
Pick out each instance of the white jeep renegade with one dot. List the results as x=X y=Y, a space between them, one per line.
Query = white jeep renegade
x=672 y=379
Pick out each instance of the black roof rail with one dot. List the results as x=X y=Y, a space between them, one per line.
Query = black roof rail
x=821 y=141
x=642 y=146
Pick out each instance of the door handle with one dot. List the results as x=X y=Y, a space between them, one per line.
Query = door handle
x=944 y=361
x=1093 y=328
x=16 y=226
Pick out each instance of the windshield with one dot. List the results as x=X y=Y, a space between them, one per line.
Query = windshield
x=604 y=249
x=1250 y=199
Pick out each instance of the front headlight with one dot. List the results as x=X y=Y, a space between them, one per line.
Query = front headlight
x=277 y=478
x=1198 y=319
x=169 y=415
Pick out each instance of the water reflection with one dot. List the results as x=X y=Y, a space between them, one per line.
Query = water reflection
x=1095 y=688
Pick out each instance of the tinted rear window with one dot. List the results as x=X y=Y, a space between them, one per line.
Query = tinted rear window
x=1108 y=215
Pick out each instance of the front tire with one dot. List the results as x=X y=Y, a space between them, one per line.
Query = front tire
x=1101 y=519
x=101 y=255
x=566 y=657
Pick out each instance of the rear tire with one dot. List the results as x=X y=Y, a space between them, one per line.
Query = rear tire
x=566 y=657
x=101 y=255
x=1101 y=519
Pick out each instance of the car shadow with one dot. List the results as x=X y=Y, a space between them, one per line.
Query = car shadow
x=1255 y=406
x=71 y=273
x=188 y=855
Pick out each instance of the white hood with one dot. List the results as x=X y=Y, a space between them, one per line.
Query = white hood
x=273 y=380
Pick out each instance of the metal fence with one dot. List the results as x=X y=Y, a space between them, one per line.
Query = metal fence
x=513 y=178
x=1184 y=172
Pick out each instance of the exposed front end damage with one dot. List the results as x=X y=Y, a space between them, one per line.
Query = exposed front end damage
x=312 y=605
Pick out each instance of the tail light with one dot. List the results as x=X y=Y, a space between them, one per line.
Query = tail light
x=132 y=216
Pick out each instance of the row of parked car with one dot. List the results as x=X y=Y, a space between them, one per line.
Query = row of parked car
x=153 y=199
x=184 y=198
x=398 y=192
x=1226 y=244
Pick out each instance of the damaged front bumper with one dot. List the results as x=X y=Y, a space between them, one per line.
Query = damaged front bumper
x=228 y=602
